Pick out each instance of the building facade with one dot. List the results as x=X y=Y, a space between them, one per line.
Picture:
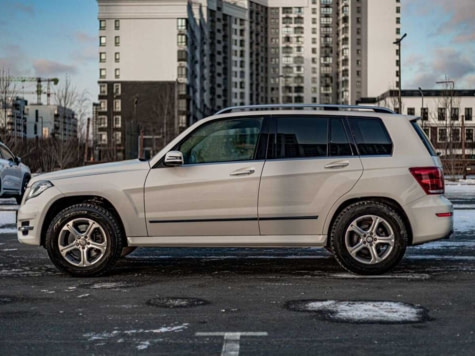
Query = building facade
x=447 y=117
x=166 y=64
x=45 y=121
x=13 y=117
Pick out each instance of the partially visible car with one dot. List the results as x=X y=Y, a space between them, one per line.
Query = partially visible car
x=14 y=175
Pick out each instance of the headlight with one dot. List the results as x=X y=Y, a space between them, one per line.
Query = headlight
x=37 y=188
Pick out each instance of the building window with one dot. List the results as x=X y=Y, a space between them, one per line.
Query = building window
x=102 y=57
x=454 y=114
x=102 y=73
x=411 y=111
x=117 y=105
x=102 y=121
x=102 y=24
x=103 y=105
x=398 y=10
x=117 y=89
x=102 y=138
x=117 y=73
x=181 y=24
x=181 y=40
x=425 y=114
x=117 y=121
x=117 y=40
x=117 y=57
x=468 y=114
x=455 y=134
x=182 y=105
x=182 y=120
x=182 y=88
x=182 y=55
x=441 y=135
x=117 y=137
x=441 y=114
x=102 y=41
x=182 y=72
x=469 y=135
x=117 y=24
x=103 y=89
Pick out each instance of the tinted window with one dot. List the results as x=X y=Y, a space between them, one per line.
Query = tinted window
x=339 y=144
x=299 y=137
x=222 y=141
x=371 y=136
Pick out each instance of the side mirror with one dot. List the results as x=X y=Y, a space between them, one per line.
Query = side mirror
x=17 y=160
x=173 y=159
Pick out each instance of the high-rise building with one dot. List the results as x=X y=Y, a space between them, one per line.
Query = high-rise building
x=165 y=64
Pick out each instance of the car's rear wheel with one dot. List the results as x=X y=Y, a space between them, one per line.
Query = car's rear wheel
x=368 y=238
x=84 y=240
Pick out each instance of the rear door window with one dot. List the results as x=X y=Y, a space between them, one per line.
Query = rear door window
x=309 y=136
x=371 y=136
x=301 y=137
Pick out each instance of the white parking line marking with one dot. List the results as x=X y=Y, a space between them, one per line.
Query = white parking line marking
x=231 y=340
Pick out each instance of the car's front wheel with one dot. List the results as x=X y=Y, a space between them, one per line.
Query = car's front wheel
x=368 y=238
x=84 y=240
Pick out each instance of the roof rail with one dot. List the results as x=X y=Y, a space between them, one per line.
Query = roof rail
x=377 y=109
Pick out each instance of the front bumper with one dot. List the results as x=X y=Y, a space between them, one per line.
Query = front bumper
x=31 y=216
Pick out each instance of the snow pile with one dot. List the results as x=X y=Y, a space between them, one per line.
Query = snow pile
x=7 y=222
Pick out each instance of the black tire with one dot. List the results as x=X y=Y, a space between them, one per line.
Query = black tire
x=368 y=238
x=24 y=184
x=84 y=240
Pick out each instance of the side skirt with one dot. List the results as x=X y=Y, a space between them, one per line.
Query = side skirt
x=229 y=241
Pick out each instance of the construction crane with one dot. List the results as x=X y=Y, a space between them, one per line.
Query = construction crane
x=39 y=87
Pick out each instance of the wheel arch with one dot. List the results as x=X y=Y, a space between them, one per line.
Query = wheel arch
x=388 y=201
x=63 y=203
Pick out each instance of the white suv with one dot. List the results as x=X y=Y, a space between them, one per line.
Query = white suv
x=361 y=181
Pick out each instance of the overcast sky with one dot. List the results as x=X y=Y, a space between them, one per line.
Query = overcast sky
x=55 y=38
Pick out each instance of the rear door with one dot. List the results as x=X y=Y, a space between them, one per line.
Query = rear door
x=310 y=164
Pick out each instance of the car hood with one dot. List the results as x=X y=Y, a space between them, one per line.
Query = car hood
x=104 y=168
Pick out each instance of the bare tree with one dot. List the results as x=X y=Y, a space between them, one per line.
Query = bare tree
x=69 y=150
x=448 y=106
x=7 y=93
x=164 y=111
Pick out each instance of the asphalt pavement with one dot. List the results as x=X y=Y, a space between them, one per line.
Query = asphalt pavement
x=241 y=302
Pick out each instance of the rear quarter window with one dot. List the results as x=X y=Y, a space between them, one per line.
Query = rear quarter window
x=424 y=138
x=371 y=136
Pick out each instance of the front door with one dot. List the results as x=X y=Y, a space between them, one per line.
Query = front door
x=214 y=193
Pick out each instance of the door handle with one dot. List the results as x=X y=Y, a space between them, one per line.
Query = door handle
x=338 y=164
x=243 y=172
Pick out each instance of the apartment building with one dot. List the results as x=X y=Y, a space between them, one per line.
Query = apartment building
x=13 y=116
x=165 y=64
x=45 y=121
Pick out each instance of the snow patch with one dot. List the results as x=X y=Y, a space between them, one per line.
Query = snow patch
x=107 y=335
x=367 y=312
x=108 y=285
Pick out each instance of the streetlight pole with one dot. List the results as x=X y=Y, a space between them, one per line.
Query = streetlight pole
x=422 y=107
x=398 y=43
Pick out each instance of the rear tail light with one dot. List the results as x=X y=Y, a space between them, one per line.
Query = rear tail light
x=431 y=179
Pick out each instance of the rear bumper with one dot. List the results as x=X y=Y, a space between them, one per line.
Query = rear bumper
x=426 y=225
